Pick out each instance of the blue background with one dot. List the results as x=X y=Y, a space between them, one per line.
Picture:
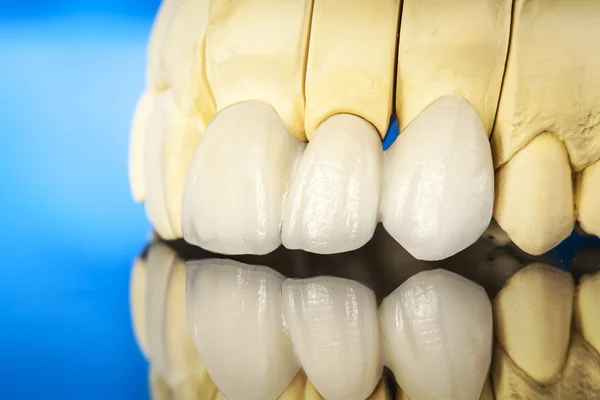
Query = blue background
x=70 y=74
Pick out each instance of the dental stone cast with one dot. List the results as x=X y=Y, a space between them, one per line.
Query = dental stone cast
x=319 y=61
x=438 y=185
x=437 y=336
x=334 y=329
x=234 y=314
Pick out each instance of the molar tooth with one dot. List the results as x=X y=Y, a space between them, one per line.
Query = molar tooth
x=234 y=313
x=332 y=204
x=588 y=199
x=333 y=326
x=534 y=197
x=532 y=319
x=237 y=181
x=437 y=336
x=438 y=184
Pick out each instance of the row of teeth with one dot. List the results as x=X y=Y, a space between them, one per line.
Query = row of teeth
x=225 y=329
x=236 y=88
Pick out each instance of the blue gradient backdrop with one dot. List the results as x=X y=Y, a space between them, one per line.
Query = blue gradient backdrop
x=70 y=74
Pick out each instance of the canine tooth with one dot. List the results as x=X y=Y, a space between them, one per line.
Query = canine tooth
x=588 y=199
x=137 y=302
x=183 y=59
x=237 y=181
x=532 y=316
x=333 y=200
x=246 y=61
x=333 y=327
x=458 y=49
x=438 y=184
x=351 y=61
x=437 y=336
x=552 y=80
x=171 y=348
x=155 y=194
x=587 y=302
x=534 y=197
x=139 y=127
x=235 y=318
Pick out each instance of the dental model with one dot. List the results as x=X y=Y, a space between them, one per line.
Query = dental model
x=223 y=329
x=497 y=102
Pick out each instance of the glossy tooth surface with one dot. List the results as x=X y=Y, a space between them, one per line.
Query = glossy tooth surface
x=437 y=336
x=237 y=182
x=457 y=49
x=155 y=192
x=534 y=196
x=333 y=200
x=532 y=319
x=588 y=199
x=438 y=184
x=170 y=345
x=234 y=313
x=334 y=329
x=155 y=74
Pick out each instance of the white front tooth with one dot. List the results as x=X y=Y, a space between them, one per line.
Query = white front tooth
x=234 y=312
x=438 y=184
x=333 y=199
x=334 y=328
x=437 y=336
x=155 y=195
x=139 y=130
x=237 y=181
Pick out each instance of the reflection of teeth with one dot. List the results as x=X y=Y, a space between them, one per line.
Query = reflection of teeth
x=588 y=199
x=458 y=49
x=587 y=318
x=333 y=199
x=235 y=317
x=170 y=345
x=438 y=184
x=334 y=329
x=236 y=185
x=533 y=319
x=534 y=198
x=437 y=336
x=536 y=358
x=137 y=293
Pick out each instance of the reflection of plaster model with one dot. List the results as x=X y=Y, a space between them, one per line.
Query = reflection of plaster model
x=261 y=76
x=259 y=334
